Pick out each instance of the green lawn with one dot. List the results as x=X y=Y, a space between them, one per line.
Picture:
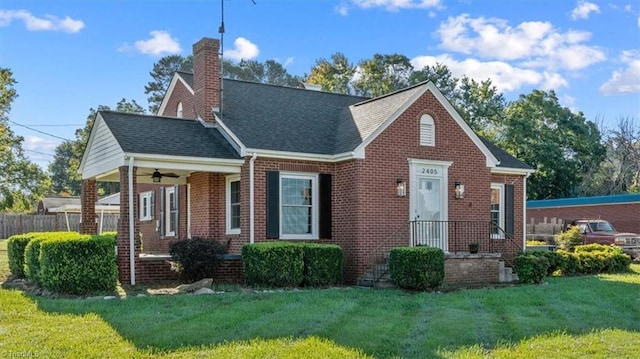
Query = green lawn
x=581 y=317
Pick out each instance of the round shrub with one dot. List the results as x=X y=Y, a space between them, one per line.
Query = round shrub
x=196 y=258
x=556 y=261
x=417 y=268
x=531 y=268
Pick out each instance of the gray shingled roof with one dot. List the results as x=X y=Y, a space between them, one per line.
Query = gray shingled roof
x=186 y=76
x=362 y=119
x=283 y=118
x=167 y=136
x=506 y=160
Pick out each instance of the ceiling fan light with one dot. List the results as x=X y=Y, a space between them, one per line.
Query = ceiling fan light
x=156 y=176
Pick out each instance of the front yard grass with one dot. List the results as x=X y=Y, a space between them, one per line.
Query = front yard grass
x=579 y=317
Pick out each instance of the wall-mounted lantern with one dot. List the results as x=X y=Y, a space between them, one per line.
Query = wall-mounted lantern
x=401 y=188
x=459 y=190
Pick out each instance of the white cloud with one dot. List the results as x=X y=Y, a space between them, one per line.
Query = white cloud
x=395 y=5
x=628 y=8
x=342 y=9
x=538 y=43
x=288 y=61
x=39 y=150
x=584 y=9
x=160 y=43
x=46 y=23
x=503 y=75
x=627 y=79
x=243 y=49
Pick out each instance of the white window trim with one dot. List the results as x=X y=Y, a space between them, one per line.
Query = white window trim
x=167 y=212
x=315 y=222
x=229 y=180
x=146 y=195
x=500 y=187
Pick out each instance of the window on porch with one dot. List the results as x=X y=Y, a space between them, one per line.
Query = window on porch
x=233 y=204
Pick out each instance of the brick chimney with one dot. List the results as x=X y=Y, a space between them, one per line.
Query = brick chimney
x=206 y=78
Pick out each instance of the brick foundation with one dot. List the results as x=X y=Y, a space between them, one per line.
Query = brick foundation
x=471 y=269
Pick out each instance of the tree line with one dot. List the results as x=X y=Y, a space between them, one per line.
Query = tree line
x=571 y=155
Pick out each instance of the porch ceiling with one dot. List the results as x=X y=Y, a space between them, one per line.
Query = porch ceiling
x=182 y=166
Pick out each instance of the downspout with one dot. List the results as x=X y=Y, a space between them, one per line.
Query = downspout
x=252 y=199
x=132 y=247
x=189 y=210
x=524 y=213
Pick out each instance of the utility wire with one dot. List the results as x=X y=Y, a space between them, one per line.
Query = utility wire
x=40 y=153
x=42 y=132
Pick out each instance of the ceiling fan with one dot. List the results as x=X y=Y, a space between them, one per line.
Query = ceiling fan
x=156 y=176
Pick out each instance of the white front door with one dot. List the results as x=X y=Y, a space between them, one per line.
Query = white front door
x=428 y=203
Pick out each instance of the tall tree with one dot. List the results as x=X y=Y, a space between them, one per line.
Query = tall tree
x=66 y=161
x=268 y=72
x=382 y=74
x=161 y=74
x=561 y=145
x=441 y=76
x=620 y=171
x=21 y=181
x=335 y=75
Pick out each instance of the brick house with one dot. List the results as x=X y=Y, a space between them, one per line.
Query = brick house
x=246 y=162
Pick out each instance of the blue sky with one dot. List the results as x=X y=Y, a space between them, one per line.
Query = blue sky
x=69 y=56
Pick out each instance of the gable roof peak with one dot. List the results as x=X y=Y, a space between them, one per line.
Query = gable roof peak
x=393 y=93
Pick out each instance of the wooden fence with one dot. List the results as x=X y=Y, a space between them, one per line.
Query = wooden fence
x=11 y=224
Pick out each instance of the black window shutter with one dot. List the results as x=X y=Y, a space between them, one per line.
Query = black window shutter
x=161 y=219
x=152 y=205
x=273 y=205
x=325 y=206
x=508 y=209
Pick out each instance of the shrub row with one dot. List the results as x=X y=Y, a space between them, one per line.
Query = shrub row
x=65 y=262
x=533 y=266
x=417 y=268
x=285 y=264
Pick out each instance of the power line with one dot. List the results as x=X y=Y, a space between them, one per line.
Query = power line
x=42 y=132
x=40 y=153
x=59 y=125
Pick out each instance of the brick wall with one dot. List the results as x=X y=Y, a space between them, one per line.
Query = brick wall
x=471 y=270
x=88 y=223
x=180 y=94
x=623 y=216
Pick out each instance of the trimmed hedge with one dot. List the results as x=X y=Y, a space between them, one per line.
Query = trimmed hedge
x=286 y=264
x=322 y=264
x=16 y=246
x=531 y=268
x=196 y=258
x=274 y=264
x=32 y=261
x=78 y=265
x=587 y=259
x=418 y=268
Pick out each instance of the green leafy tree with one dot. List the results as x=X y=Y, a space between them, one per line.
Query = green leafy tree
x=441 y=76
x=21 y=181
x=561 y=145
x=382 y=74
x=335 y=75
x=161 y=75
x=66 y=161
x=268 y=72
x=620 y=170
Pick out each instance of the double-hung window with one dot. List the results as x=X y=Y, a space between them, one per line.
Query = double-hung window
x=169 y=211
x=233 y=204
x=298 y=205
x=146 y=206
